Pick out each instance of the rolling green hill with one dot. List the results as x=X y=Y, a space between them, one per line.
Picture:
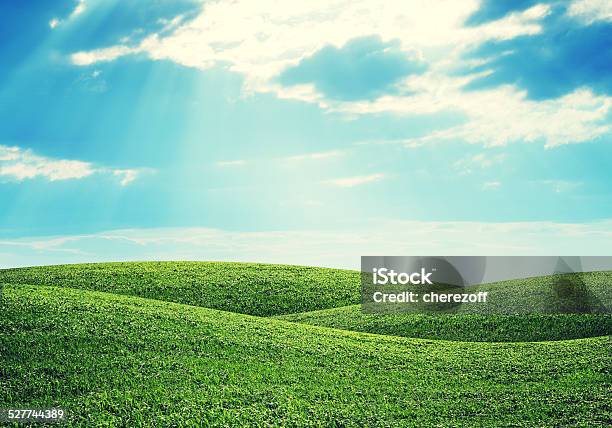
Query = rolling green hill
x=119 y=360
x=461 y=327
x=248 y=288
x=142 y=344
x=325 y=297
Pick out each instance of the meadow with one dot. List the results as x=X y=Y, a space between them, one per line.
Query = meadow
x=226 y=344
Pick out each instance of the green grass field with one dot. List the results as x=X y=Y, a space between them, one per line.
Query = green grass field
x=215 y=344
x=462 y=327
x=254 y=289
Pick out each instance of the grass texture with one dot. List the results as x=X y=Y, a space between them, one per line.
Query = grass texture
x=117 y=360
x=227 y=344
x=327 y=297
x=248 y=288
x=462 y=327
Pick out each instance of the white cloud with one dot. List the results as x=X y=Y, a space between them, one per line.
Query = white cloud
x=355 y=181
x=503 y=115
x=78 y=10
x=491 y=185
x=19 y=165
x=9 y=153
x=230 y=163
x=287 y=160
x=562 y=186
x=260 y=39
x=591 y=10
x=126 y=175
x=317 y=247
x=315 y=156
x=101 y=55
x=468 y=164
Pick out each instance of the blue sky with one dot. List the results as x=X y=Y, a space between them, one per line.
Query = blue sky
x=303 y=126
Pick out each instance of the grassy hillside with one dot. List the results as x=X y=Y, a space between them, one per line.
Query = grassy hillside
x=461 y=327
x=295 y=292
x=528 y=298
x=110 y=359
x=256 y=289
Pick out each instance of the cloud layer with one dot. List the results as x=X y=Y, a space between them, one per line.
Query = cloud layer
x=368 y=56
x=316 y=247
x=17 y=164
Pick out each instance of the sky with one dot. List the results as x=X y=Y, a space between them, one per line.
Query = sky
x=304 y=132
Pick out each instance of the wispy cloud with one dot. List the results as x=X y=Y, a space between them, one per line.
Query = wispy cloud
x=80 y=7
x=101 y=55
x=315 y=156
x=231 y=163
x=591 y=10
x=562 y=186
x=509 y=115
x=287 y=160
x=355 y=181
x=316 y=247
x=17 y=164
x=469 y=164
x=491 y=185
x=263 y=39
x=260 y=39
x=126 y=176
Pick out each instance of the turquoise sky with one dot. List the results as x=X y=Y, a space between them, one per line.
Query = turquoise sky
x=199 y=130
